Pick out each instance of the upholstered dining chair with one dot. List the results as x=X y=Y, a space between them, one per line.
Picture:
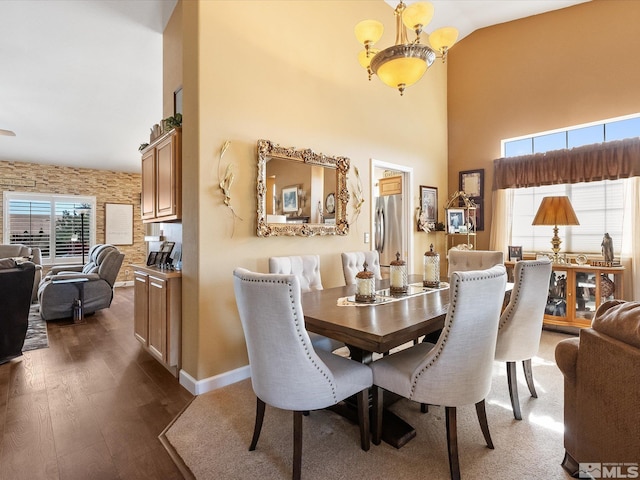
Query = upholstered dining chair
x=456 y=370
x=353 y=262
x=520 y=325
x=465 y=260
x=307 y=269
x=286 y=371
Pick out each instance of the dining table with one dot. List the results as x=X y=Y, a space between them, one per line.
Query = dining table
x=368 y=328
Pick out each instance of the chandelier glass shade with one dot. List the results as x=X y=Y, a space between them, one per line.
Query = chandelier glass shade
x=404 y=63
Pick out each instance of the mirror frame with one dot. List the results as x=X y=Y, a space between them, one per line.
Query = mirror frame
x=267 y=150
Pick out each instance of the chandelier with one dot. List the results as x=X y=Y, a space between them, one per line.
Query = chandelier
x=404 y=63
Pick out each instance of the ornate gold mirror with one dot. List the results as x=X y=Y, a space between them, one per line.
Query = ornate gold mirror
x=301 y=192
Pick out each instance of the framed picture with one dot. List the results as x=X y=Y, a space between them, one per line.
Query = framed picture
x=118 y=220
x=152 y=258
x=330 y=204
x=167 y=247
x=177 y=101
x=515 y=253
x=479 y=220
x=455 y=220
x=290 y=199
x=472 y=182
x=429 y=203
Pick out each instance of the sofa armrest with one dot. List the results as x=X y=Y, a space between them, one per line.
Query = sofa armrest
x=36 y=256
x=72 y=276
x=65 y=268
x=567 y=357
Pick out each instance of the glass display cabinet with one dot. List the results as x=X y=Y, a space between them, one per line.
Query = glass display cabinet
x=576 y=292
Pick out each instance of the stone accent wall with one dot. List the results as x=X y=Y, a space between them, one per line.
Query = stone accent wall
x=106 y=186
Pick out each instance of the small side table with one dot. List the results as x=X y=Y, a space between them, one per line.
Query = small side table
x=77 y=312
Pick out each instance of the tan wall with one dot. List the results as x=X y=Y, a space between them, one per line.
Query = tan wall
x=106 y=186
x=284 y=71
x=550 y=71
x=172 y=55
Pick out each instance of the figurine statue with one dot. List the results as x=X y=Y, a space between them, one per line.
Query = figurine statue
x=607 y=248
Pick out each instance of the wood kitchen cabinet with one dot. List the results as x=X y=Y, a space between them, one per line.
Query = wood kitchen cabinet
x=390 y=185
x=576 y=292
x=162 y=178
x=157 y=313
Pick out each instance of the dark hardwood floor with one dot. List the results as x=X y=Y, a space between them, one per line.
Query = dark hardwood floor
x=91 y=406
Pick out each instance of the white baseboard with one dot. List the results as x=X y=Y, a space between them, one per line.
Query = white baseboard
x=128 y=283
x=198 y=387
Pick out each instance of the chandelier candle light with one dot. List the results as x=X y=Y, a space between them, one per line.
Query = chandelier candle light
x=398 y=269
x=365 y=286
x=404 y=63
x=431 y=278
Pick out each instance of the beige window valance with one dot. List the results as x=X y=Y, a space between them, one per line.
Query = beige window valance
x=589 y=163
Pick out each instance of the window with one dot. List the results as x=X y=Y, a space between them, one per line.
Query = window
x=61 y=226
x=599 y=206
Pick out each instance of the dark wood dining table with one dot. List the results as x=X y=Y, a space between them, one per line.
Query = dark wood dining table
x=377 y=328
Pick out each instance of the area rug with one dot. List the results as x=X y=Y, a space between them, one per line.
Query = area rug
x=36 y=332
x=210 y=438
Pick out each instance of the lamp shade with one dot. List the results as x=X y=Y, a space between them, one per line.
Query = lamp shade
x=369 y=31
x=555 y=211
x=400 y=66
x=443 y=38
x=364 y=57
x=417 y=15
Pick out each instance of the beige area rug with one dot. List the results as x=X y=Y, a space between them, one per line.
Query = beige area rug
x=212 y=436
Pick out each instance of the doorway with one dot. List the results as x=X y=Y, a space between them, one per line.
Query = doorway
x=391 y=214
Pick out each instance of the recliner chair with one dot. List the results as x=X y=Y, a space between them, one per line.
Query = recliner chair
x=100 y=272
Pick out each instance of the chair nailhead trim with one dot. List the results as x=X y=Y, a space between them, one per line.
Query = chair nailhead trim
x=320 y=368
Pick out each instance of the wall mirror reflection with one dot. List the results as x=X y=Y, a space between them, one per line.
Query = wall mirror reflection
x=300 y=192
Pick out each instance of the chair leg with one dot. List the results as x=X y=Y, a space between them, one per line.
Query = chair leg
x=513 y=389
x=376 y=393
x=297 y=445
x=260 y=406
x=484 y=425
x=424 y=408
x=528 y=375
x=363 y=419
x=452 y=442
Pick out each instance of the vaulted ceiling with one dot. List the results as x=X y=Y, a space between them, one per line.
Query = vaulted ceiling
x=81 y=81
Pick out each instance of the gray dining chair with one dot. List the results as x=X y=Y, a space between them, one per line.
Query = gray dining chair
x=520 y=325
x=457 y=369
x=307 y=269
x=286 y=371
x=353 y=262
x=465 y=260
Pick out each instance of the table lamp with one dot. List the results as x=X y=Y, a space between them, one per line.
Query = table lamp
x=555 y=211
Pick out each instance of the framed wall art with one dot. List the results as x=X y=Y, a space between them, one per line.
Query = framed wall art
x=118 y=224
x=471 y=182
x=429 y=203
x=290 y=199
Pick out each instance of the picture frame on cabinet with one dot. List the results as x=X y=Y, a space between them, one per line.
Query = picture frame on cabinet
x=455 y=220
x=177 y=101
x=515 y=253
x=152 y=258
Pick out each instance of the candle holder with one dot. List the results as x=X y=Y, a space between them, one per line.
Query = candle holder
x=431 y=276
x=365 y=286
x=399 y=284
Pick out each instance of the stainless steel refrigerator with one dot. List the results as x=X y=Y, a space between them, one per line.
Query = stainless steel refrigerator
x=389 y=228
